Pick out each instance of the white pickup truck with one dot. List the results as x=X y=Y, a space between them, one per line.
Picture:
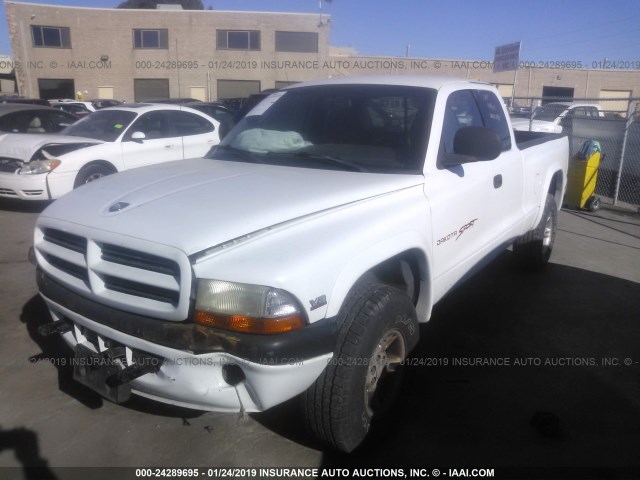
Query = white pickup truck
x=300 y=256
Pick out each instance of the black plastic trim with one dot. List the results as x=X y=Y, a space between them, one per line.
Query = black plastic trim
x=311 y=341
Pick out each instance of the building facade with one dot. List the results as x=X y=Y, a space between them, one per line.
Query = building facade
x=138 y=55
x=143 y=54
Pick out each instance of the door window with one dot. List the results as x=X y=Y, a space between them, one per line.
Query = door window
x=154 y=125
x=185 y=124
x=461 y=111
x=493 y=116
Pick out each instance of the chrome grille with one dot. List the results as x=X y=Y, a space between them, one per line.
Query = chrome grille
x=66 y=240
x=136 y=279
x=133 y=258
x=141 y=290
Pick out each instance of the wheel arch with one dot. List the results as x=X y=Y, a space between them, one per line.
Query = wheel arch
x=407 y=269
x=103 y=163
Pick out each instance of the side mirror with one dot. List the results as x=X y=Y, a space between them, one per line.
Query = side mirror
x=138 y=137
x=477 y=143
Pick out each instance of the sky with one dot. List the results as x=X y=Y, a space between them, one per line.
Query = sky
x=588 y=31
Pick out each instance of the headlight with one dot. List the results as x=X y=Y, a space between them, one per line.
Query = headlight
x=246 y=308
x=39 y=166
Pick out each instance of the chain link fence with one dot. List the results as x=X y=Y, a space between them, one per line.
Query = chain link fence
x=614 y=122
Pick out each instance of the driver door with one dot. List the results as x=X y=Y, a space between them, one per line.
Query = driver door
x=159 y=145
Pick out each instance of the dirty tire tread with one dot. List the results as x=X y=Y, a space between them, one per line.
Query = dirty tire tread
x=325 y=404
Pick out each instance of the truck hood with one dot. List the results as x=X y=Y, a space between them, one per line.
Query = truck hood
x=23 y=146
x=200 y=203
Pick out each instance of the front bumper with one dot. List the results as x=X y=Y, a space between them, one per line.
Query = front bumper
x=274 y=369
x=24 y=187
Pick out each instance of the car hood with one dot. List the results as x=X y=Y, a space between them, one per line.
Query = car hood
x=200 y=203
x=23 y=146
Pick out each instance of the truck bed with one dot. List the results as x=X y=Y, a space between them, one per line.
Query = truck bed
x=525 y=140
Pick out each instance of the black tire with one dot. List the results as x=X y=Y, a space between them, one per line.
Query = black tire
x=532 y=250
x=376 y=321
x=92 y=172
x=593 y=204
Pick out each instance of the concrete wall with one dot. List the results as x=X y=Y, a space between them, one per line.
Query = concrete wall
x=96 y=33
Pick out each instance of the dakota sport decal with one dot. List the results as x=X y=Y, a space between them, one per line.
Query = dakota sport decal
x=457 y=233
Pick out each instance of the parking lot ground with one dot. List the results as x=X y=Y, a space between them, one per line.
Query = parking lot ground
x=514 y=370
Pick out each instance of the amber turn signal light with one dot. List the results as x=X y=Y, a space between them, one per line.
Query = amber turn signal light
x=243 y=324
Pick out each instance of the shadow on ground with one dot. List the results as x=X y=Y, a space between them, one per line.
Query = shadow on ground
x=562 y=397
x=26 y=206
x=25 y=447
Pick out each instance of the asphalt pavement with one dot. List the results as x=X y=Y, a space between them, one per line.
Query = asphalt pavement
x=514 y=371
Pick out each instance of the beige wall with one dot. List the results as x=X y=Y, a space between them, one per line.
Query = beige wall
x=530 y=81
x=99 y=32
x=192 y=38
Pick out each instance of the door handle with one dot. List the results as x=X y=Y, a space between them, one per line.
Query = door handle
x=169 y=146
x=497 y=181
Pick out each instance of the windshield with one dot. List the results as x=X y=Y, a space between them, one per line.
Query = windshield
x=549 y=112
x=372 y=128
x=105 y=125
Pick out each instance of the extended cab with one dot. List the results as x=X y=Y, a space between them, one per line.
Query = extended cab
x=301 y=254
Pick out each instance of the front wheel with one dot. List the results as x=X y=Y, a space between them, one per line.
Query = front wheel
x=533 y=249
x=377 y=325
x=92 y=172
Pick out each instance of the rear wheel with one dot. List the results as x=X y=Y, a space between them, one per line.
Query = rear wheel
x=532 y=250
x=361 y=382
x=92 y=172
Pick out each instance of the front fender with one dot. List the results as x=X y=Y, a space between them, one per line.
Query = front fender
x=378 y=253
x=325 y=254
x=108 y=152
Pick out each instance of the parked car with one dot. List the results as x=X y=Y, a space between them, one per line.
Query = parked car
x=248 y=103
x=23 y=118
x=44 y=167
x=515 y=109
x=25 y=100
x=173 y=101
x=98 y=104
x=80 y=109
x=549 y=117
x=302 y=254
x=218 y=111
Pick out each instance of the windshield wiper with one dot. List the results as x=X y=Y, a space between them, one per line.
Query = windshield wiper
x=244 y=155
x=346 y=164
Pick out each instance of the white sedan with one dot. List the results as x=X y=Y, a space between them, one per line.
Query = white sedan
x=45 y=167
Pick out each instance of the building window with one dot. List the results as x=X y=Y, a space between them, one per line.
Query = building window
x=51 y=37
x=143 y=38
x=56 y=88
x=238 y=39
x=145 y=89
x=305 y=42
x=237 y=88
